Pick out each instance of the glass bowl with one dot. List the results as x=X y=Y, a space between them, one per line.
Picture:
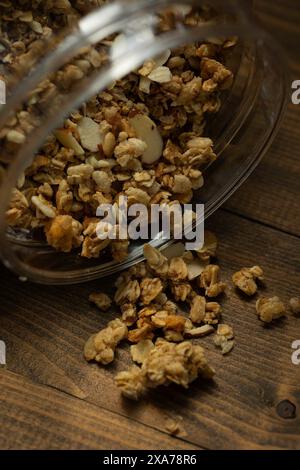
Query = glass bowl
x=242 y=131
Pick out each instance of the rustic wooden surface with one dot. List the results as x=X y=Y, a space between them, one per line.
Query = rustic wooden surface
x=51 y=398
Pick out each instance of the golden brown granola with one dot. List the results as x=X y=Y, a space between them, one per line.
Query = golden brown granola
x=102 y=300
x=143 y=137
x=101 y=346
x=166 y=363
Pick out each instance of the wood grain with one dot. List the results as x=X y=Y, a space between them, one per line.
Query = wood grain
x=38 y=417
x=271 y=195
x=45 y=329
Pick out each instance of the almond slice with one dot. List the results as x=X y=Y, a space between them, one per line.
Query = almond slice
x=160 y=75
x=146 y=130
x=90 y=134
x=66 y=138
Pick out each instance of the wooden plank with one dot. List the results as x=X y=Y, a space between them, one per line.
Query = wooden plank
x=37 y=417
x=271 y=195
x=45 y=329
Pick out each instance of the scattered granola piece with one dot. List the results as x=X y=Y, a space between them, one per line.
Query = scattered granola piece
x=200 y=331
x=245 y=279
x=139 y=352
x=178 y=270
x=270 y=308
x=167 y=363
x=101 y=346
x=103 y=301
x=150 y=288
x=146 y=130
x=156 y=261
x=209 y=248
x=295 y=306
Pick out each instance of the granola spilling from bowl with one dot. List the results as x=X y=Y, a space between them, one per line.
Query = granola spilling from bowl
x=144 y=137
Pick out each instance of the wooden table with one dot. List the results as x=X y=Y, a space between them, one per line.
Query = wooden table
x=51 y=398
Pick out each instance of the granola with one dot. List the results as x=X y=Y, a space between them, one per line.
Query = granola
x=295 y=306
x=270 y=308
x=143 y=137
x=245 y=279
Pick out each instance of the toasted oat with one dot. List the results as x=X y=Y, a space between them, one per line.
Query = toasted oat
x=270 y=308
x=103 y=301
x=295 y=305
x=200 y=331
x=209 y=248
x=160 y=74
x=64 y=233
x=175 y=427
x=166 y=363
x=156 y=260
x=224 y=338
x=90 y=134
x=15 y=137
x=245 y=279
x=67 y=139
x=146 y=130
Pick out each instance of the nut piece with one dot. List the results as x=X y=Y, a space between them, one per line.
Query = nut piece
x=132 y=383
x=150 y=288
x=245 y=279
x=178 y=270
x=295 y=306
x=270 y=308
x=90 y=134
x=161 y=74
x=209 y=248
x=101 y=347
x=103 y=301
x=146 y=130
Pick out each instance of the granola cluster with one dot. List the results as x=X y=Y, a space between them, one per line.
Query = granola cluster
x=143 y=138
x=165 y=304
